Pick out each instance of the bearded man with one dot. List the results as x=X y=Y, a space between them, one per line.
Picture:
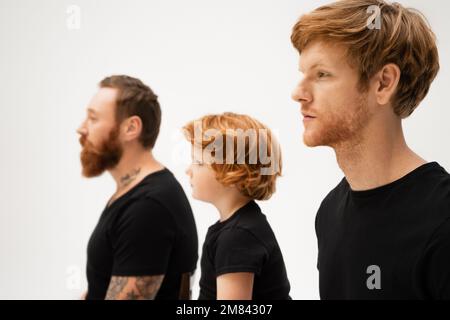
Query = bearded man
x=145 y=243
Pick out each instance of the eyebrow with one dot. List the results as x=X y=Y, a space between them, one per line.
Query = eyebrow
x=90 y=110
x=318 y=64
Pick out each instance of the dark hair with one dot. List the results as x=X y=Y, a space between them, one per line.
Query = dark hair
x=134 y=98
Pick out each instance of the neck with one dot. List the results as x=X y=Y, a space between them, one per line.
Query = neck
x=229 y=203
x=378 y=158
x=132 y=167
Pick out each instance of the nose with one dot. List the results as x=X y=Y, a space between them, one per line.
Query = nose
x=82 y=129
x=189 y=171
x=301 y=94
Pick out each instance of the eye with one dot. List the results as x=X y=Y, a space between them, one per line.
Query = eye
x=197 y=162
x=321 y=74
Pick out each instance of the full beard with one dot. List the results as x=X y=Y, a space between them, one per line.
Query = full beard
x=341 y=128
x=95 y=161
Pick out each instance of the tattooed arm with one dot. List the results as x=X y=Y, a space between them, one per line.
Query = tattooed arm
x=134 y=288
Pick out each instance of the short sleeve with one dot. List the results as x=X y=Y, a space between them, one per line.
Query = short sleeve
x=142 y=240
x=238 y=250
x=437 y=263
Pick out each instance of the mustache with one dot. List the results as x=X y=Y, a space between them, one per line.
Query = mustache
x=88 y=147
x=82 y=140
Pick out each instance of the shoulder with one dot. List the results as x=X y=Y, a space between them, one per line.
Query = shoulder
x=232 y=241
x=145 y=210
x=244 y=238
x=439 y=184
x=252 y=221
x=434 y=192
x=161 y=184
x=168 y=192
x=142 y=221
x=163 y=193
x=237 y=234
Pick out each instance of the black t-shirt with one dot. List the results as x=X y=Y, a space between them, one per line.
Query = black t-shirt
x=150 y=230
x=392 y=242
x=244 y=243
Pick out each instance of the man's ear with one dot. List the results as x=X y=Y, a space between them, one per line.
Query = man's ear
x=386 y=83
x=132 y=128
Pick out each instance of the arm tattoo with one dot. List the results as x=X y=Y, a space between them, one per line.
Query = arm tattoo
x=134 y=288
x=132 y=296
x=116 y=286
x=148 y=286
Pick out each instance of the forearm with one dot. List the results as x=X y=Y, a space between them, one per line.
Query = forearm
x=134 y=288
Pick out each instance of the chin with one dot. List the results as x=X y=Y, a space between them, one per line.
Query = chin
x=200 y=197
x=196 y=196
x=318 y=138
x=91 y=174
x=311 y=141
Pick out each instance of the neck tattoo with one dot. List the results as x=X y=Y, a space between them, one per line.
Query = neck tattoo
x=129 y=177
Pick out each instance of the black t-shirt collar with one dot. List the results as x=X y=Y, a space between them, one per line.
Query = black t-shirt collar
x=379 y=190
x=249 y=206
x=141 y=183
